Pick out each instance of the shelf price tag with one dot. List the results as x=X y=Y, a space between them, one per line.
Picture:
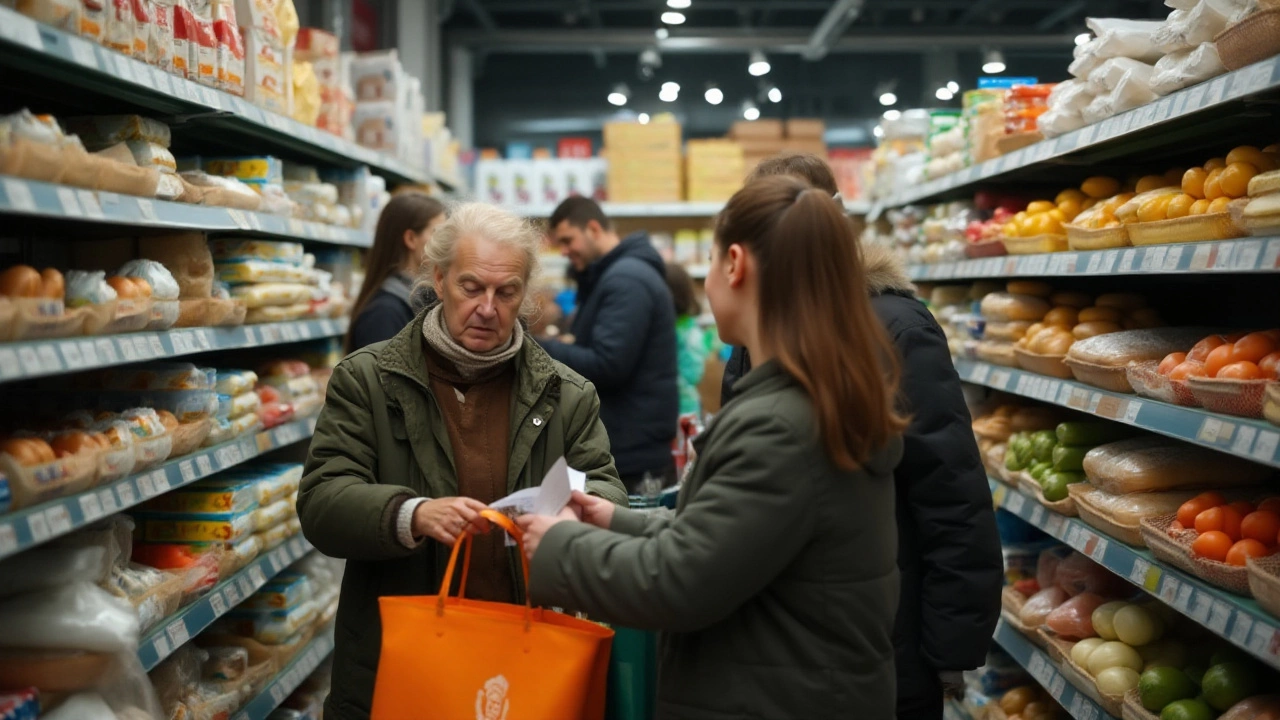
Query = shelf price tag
x=8 y=539
x=1263 y=640
x=1127 y=259
x=1096 y=547
x=1244 y=440
x=205 y=465
x=1202 y=258
x=19 y=195
x=1172 y=259
x=1240 y=630
x=1247 y=254
x=1138 y=574
x=1037 y=515
x=1209 y=431
x=1201 y=604
x=1055 y=525
x=1271 y=256
x=1169 y=590
x=218 y=603
x=1264 y=448
x=177 y=632
x=90 y=507
x=1016 y=502
x=127 y=497
x=1182 y=603
x=108 y=501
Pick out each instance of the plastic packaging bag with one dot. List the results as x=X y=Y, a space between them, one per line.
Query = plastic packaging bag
x=102 y=131
x=1078 y=574
x=1085 y=59
x=78 y=616
x=1259 y=707
x=88 y=288
x=231 y=407
x=1047 y=565
x=1185 y=68
x=1186 y=29
x=263 y=271
x=46 y=567
x=1073 y=618
x=1129 y=509
x=1055 y=123
x=235 y=249
x=1109 y=74
x=1118 y=37
x=1150 y=463
x=234 y=382
x=1037 y=609
x=163 y=286
x=271 y=294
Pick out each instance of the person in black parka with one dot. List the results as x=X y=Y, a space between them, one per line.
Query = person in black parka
x=623 y=337
x=949 y=554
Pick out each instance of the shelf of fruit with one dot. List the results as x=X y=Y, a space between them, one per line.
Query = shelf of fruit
x=1239 y=620
x=1042 y=668
x=288 y=679
x=1180 y=108
x=48 y=201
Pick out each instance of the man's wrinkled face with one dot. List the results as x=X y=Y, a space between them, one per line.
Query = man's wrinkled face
x=482 y=293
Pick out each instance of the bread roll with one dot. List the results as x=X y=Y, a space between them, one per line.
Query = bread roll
x=1029 y=287
x=1002 y=307
x=1086 y=330
x=21 y=281
x=1096 y=314
x=1071 y=299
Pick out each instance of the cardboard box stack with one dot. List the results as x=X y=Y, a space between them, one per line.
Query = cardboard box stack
x=266 y=73
x=759 y=139
x=714 y=170
x=805 y=136
x=321 y=49
x=645 y=163
x=389 y=106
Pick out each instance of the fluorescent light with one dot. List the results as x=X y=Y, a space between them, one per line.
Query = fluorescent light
x=953 y=86
x=662 y=33
x=673 y=18
x=877 y=131
x=943 y=94
x=666 y=95
x=670 y=86
x=758 y=64
x=678 y=4
x=775 y=95
x=643 y=118
x=714 y=95
x=892 y=115
x=750 y=111
x=993 y=64
x=1083 y=39
x=888 y=98
x=621 y=93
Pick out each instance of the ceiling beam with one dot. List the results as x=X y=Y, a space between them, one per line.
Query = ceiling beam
x=977 y=11
x=831 y=27
x=719 y=40
x=1063 y=13
x=481 y=15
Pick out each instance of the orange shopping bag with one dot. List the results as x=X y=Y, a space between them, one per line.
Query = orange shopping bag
x=449 y=658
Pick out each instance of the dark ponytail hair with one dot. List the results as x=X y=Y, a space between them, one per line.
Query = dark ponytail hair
x=815 y=311
x=406 y=211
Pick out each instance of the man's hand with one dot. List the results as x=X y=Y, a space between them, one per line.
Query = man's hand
x=592 y=510
x=534 y=527
x=445 y=519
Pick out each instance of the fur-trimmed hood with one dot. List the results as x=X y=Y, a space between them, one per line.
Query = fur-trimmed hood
x=885 y=270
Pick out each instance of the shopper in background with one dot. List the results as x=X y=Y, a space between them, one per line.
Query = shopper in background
x=623 y=337
x=774 y=580
x=420 y=433
x=691 y=341
x=948 y=550
x=382 y=308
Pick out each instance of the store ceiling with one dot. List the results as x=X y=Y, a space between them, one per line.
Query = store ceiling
x=558 y=60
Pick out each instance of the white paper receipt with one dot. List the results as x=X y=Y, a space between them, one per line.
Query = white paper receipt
x=548 y=498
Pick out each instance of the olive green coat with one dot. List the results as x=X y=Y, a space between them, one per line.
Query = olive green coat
x=775 y=583
x=380 y=440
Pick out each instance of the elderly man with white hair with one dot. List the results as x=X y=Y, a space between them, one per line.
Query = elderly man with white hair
x=421 y=432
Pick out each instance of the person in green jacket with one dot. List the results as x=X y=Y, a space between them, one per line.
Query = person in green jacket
x=692 y=347
x=422 y=431
x=775 y=583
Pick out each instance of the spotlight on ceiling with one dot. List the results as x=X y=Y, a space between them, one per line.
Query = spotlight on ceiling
x=750 y=111
x=678 y=4
x=877 y=131
x=943 y=94
x=673 y=18
x=662 y=33
x=669 y=92
x=621 y=93
x=892 y=115
x=993 y=62
x=714 y=95
x=775 y=95
x=643 y=118
x=758 y=64
x=888 y=98
x=953 y=86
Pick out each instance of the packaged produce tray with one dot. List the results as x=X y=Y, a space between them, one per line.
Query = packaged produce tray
x=1251 y=40
x=1146 y=380
x=1083 y=681
x=1036 y=244
x=1097 y=518
x=1264 y=582
x=1133 y=710
x=1058 y=647
x=1028 y=485
x=1243 y=398
x=1193 y=228
x=1051 y=365
x=1016 y=141
x=993 y=460
x=1177 y=552
x=1079 y=238
x=1271 y=404
x=1108 y=377
x=1011 y=602
x=987 y=248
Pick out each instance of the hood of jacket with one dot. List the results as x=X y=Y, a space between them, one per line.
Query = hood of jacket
x=636 y=245
x=885 y=271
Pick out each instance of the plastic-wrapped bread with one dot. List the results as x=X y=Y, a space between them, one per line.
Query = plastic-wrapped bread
x=1004 y=306
x=101 y=131
x=1152 y=464
x=1128 y=510
x=187 y=257
x=1120 y=348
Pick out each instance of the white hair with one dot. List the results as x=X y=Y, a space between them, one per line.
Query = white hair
x=476 y=219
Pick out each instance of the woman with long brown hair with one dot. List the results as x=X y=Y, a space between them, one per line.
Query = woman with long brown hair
x=774 y=582
x=382 y=308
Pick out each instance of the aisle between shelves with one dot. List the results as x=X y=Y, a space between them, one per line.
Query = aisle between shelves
x=1041 y=667
x=288 y=679
x=32 y=526
x=1254 y=440
x=1238 y=620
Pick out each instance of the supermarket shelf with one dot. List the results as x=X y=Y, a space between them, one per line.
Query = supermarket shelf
x=1250 y=439
x=1041 y=667
x=1144 y=121
x=45 y=52
x=60 y=202
x=177 y=629
x=1227 y=256
x=37 y=358
x=288 y=679
x=32 y=526
x=1237 y=619
x=662 y=210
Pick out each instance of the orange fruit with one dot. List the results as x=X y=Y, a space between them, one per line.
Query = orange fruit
x=1271 y=504
x=1252 y=155
x=1213 y=185
x=1253 y=347
x=1070 y=194
x=1244 y=507
x=1100 y=187
x=1245 y=549
x=1261 y=525
x=1220 y=205
x=1193 y=182
x=1039 y=206
x=1179 y=206
x=1243 y=370
x=1154 y=209
x=1270 y=366
x=1199 y=207
x=1215 y=164
x=1151 y=182
x=1218 y=357
x=1171 y=361
x=1187 y=369
x=1201 y=350
x=1213 y=545
x=1224 y=519
x=1235 y=179
x=1190 y=509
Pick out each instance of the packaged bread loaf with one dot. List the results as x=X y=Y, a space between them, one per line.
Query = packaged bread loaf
x=1128 y=509
x=1151 y=463
x=188 y=259
x=1003 y=307
x=1101 y=360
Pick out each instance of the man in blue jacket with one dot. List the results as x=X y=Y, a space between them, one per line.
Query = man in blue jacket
x=623 y=337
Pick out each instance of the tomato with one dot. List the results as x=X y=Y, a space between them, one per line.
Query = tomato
x=1212 y=545
x=1224 y=519
x=1244 y=507
x=1198 y=504
x=1261 y=525
x=1186 y=370
x=1271 y=504
x=1270 y=366
x=1200 y=351
x=1243 y=370
x=1218 y=357
x=1245 y=549
x=1253 y=347
x=1171 y=361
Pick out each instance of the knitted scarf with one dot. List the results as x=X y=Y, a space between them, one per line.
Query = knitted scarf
x=470 y=364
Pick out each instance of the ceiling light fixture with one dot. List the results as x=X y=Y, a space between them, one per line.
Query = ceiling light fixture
x=662 y=33
x=758 y=64
x=775 y=95
x=669 y=92
x=993 y=62
x=892 y=115
x=888 y=98
x=678 y=4
x=750 y=111
x=643 y=118
x=714 y=95
x=621 y=93
x=953 y=86
x=877 y=131
x=1083 y=39
x=944 y=94
x=673 y=18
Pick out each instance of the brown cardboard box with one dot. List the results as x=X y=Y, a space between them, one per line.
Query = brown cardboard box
x=806 y=128
x=630 y=137
x=808 y=146
x=756 y=129
x=761 y=146
x=714 y=170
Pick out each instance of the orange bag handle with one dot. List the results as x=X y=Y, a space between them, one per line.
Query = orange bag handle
x=512 y=529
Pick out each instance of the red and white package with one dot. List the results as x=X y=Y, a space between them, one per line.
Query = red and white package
x=204 y=54
x=93 y=20
x=142 y=31
x=230 y=47
x=184 y=36
x=119 y=31
x=162 y=34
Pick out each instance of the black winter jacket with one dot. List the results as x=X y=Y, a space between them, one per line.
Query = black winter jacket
x=625 y=343
x=385 y=315
x=948 y=549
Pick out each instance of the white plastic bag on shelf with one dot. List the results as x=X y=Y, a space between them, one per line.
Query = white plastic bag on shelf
x=1188 y=28
x=1186 y=68
x=1109 y=74
x=1180 y=4
x=1097 y=110
x=78 y=616
x=1131 y=92
x=1086 y=59
x=1054 y=123
x=46 y=567
x=1071 y=96
x=1233 y=10
x=1118 y=37
x=163 y=284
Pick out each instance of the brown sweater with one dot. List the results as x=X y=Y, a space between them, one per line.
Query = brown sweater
x=478 y=415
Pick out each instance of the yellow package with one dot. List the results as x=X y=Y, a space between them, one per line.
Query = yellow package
x=306 y=93
x=195 y=529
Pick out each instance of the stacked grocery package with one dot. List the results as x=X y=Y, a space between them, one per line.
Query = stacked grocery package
x=276 y=281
